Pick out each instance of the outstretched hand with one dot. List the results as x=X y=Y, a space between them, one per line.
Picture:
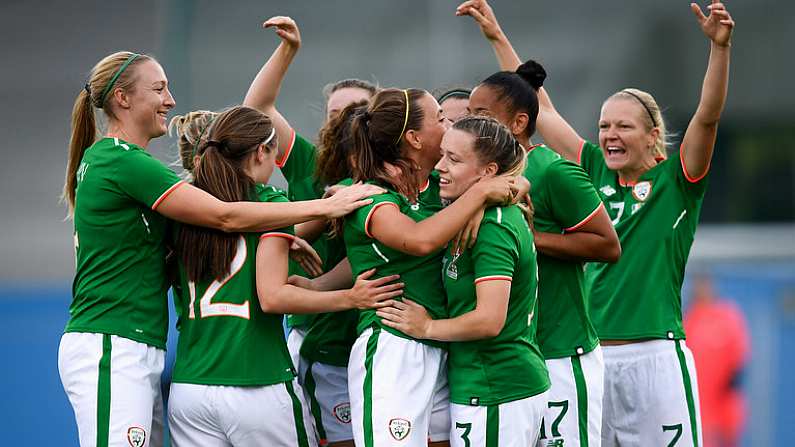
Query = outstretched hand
x=483 y=15
x=718 y=25
x=286 y=29
x=306 y=256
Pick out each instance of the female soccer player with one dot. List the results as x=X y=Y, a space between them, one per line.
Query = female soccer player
x=454 y=103
x=319 y=344
x=498 y=380
x=111 y=356
x=571 y=226
x=394 y=380
x=233 y=378
x=654 y=202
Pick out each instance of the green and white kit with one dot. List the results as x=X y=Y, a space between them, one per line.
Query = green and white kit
x=112 y=354
x=564 y=200
x=397 y=384
x=500 y=375
x=639 y=297
x=231 y=357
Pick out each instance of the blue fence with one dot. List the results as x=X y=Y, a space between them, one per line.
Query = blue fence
x=35 y=410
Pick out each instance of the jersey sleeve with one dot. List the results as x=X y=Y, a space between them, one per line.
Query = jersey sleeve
x=145 y=178
x=299 y=160
x=496 y=252
x=591 y=158
x=361 y=217
x=693 y=187
x=275 y=195
x=574 y=199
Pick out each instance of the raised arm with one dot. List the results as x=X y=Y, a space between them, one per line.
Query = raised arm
x=188 y=204
x=698 y=142
x=556 y=131
x=265 y=87
x=400 y=232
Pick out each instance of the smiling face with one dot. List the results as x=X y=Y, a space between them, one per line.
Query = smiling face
x=343 y=98
x=459 y=168
x=149 y=99
x=626 y=142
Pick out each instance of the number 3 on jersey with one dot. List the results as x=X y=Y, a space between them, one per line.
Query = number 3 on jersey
x=207 y=308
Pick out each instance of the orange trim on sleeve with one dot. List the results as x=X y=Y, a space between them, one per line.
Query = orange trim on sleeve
x=684 y=169
x=493 y=278
x=584 y=221
x=370 y=215
x=166 y=193
x=579 y=153
x=287 y=236
x=280 y=163
x=426 y=185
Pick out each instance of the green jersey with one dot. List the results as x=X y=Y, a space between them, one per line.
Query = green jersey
x=640 y=296
x=329 y=336
x=224 y=337
x=563 y=200
x=298 y=167
x=420 y=274
x=509 y=366
x=120 y=284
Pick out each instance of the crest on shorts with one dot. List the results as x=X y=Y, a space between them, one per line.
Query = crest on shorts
x=136 y=436
x=399 y=428
x=343 y=412
x=641 y=191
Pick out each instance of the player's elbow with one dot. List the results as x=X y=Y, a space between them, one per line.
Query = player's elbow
x=612 y=251
x=490 y=326
x=421 y=246
x=608 y=248
x=226 y=219
x=269 y=300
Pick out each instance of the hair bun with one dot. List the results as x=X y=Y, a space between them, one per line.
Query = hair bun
x=532 y=72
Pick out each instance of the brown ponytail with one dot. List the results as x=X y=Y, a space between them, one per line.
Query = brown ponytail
x=230 y=141
x=377 y=136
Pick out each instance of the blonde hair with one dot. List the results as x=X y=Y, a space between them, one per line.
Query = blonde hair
x=94 y=95
x=190 y=129
x=651 y=118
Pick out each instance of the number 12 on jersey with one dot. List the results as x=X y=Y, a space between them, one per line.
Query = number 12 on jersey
x=207 y=308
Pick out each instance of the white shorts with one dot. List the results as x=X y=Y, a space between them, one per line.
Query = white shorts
x=651 y=395
x=326 y=390
x=225 y=416
x=113 y=384
x=294 y=341
x=511 y=424
x=573 y=415
x=394 y=385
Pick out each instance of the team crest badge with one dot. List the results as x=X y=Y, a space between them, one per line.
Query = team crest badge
x=641 y=191
x=136 y=436
x=343 y=412
x=452 y=269
x=607 y=190
x=399 y=428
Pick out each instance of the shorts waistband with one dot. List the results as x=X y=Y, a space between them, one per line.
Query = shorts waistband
x=635 y=350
